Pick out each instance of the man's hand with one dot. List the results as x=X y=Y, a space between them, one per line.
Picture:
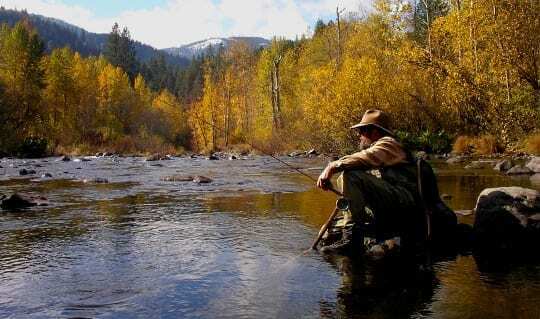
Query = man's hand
x=324 y=178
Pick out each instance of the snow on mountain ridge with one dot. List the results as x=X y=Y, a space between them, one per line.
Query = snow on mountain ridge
x=200 y=47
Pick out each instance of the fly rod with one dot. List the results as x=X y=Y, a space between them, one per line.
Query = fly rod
x=328 y=185
x=341 y=204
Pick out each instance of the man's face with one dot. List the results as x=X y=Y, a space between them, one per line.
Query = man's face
x=366 y=136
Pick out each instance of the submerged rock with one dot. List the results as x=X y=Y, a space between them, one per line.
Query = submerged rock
x=507 y=217
x=187 y=178
x=446 y=196
x=534 y=164
x=46 y=175
x=96 y=180
x=503 y=166
x=177 y=178
x=65 y=158
x=519 y=170
x=19 y=201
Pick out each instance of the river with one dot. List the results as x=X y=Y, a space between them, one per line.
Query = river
x=140 y=247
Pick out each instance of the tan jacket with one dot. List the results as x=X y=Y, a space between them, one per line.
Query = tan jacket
x=384 y=152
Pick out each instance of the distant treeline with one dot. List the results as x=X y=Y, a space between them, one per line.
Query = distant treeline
x=442 y=69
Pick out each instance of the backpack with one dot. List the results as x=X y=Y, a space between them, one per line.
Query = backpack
x=441 y=220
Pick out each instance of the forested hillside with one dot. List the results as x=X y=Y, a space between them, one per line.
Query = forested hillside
x=58 y=34
x=465 y=70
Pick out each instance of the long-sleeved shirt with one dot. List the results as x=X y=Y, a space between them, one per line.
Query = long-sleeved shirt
x=384 y=152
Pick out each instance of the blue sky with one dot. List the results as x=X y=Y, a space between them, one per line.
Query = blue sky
x=168 y=23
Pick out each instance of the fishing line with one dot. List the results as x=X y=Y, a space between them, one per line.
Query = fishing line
x=262 y=151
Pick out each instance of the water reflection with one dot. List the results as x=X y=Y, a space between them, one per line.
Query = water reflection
x=385 y=289
x=140 y=247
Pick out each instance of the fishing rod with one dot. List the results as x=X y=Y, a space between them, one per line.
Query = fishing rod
x=341 y=204
x=328 y=185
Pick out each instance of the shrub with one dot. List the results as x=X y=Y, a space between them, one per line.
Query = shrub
x=430 y=142
x=33 y=147
x=487 y=144
x=532 y=144
x=482 y=145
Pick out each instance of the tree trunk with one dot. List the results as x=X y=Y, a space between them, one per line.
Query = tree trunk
x=276 y=98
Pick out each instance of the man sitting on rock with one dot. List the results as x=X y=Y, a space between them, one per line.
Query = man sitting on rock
x=389 y=198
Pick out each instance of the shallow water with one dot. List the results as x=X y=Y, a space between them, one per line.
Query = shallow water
x=141 y=247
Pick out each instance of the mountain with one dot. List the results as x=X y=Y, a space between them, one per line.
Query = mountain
x=201 y=47
x=58 y=34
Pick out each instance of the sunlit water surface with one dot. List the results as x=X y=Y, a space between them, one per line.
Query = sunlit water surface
x=141 y=247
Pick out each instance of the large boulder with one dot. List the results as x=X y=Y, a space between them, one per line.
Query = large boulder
x=534 y=164
x=507 y=217
x=20 y=201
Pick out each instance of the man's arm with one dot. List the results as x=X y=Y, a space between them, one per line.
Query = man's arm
x=385 y=152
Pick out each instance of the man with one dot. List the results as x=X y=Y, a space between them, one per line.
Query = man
x=392 y=197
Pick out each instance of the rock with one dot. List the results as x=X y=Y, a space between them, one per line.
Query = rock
x=193 y=156
x=108 y=154
x=477 y=165
x=446 y=196
x=297 y=154
x=312 y=152
x=24 y=172
x=457 y=159
x=86 y=159
x=534 y=164
x=97 y=180
x=157 y=165
x=507 y=217
x=535 y=179
x=201 y=180
x=46 y=175
x=177 y=178
x=65 y=158
x=232 y=158
x=212 y=157
x=379 y=250
x=519 y=170
x=158 y=157
x=153 y=157
x=19 y=201
x=503 y=166
x=99 y=154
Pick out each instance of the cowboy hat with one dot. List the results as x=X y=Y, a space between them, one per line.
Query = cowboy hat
x=376 y=118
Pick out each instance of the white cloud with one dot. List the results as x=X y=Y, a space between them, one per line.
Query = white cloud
x=183 y=21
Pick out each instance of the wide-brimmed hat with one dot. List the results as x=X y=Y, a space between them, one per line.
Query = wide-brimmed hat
x=376 y=118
